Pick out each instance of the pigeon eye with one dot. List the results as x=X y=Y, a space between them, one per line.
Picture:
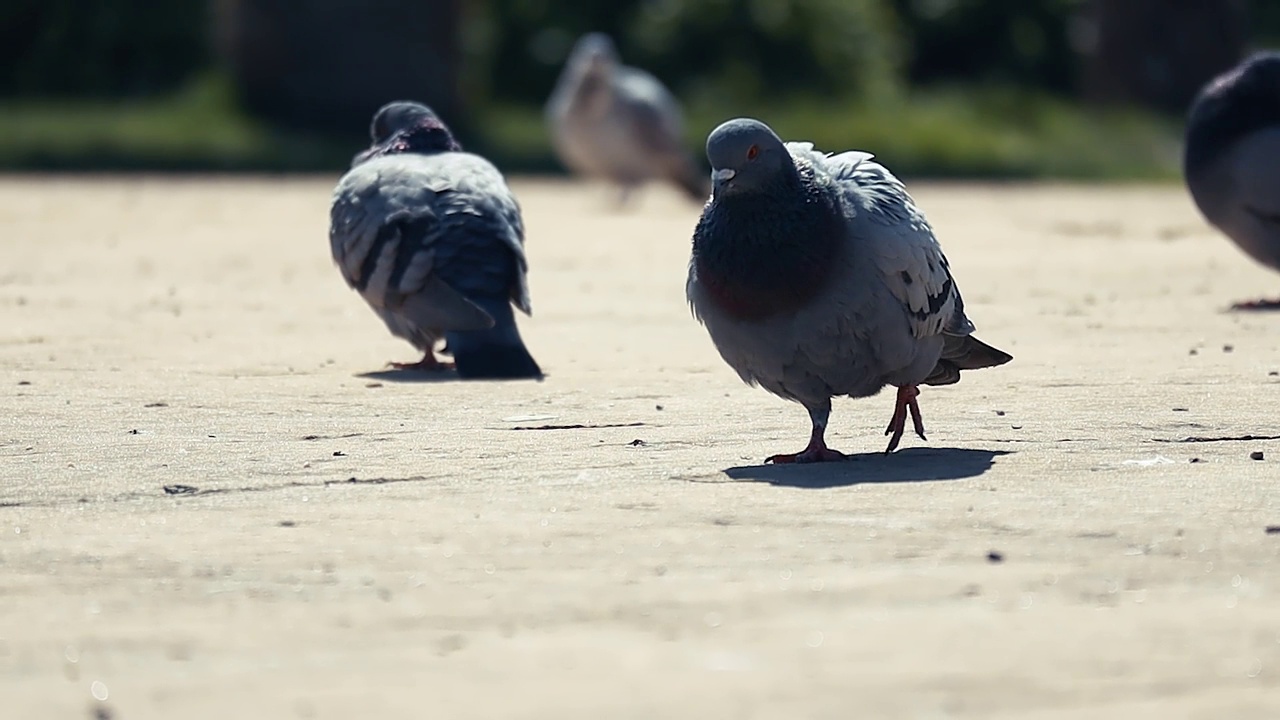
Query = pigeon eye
x=752 y=152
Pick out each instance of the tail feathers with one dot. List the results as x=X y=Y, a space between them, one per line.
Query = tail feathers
x=964 y=352
x=439 y=305
x=970 y=353
x=493 y=361
x=494 y=353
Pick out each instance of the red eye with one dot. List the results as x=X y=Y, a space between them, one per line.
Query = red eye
x=752 y=152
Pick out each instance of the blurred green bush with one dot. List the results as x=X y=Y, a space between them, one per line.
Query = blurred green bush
x=950 y=87
x=101 y=48
x=1011 y=42
x=738 y=49
x=741 y=49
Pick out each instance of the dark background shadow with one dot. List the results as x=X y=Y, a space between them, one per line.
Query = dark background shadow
x=911 y=465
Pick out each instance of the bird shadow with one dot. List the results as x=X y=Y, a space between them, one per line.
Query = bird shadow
x=411 y=376
x=431 y=376
x=910 y=465
x=1263 y=305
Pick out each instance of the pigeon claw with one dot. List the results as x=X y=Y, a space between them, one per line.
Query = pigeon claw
x=428 y=363
x=817 y=451
x=907 y=395
x=808 y=455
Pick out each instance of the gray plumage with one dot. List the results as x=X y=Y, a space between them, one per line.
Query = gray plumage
x=432 y=239
x=816 y=276
x=1231 y=158
x=620 y=124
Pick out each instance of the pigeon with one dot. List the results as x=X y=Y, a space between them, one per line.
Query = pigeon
x=619 y=124
x=432 y=238
x=1231 y=159
x=817 y=276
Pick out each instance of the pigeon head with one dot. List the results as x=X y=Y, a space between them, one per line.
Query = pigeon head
x=594 y=53
x=1236 y=104
x=425 y=137
x=407 y=127
x=766 y=241
x=747 y=155
x=396 y=116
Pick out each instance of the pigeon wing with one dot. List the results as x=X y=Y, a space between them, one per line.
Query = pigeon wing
x=484 y=253
x=910 y=264
x=385 y=234
x=902 y=245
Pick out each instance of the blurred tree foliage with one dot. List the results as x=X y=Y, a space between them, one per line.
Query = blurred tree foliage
x=750 y=49
x=1265 y=21
x=958 y=86
x=1002 y=42
x=100 y=48
x=330 y=68
x=731 y=47
x=708 y=50
x=1159 y=53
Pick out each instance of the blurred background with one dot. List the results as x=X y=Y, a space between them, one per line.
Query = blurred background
x=1084 y=89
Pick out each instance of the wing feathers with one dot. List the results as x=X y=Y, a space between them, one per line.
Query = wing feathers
x=901 y=242
x=389 y=219
x=436 y=305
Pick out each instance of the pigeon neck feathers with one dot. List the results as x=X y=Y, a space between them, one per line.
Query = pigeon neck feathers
x=770 y=250
x=1237 y=104
x=427 y=136
x=592 y=90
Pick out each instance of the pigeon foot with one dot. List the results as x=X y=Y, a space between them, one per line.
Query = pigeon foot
x=907 y=395
x=817 y=451
x=625 y=199
x=1260 y=305
x=428 y=363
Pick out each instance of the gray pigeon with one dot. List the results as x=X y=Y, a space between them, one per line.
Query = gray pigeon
x=432 y=239
x=1232 y=159
x=620 y=124
x=817 y=276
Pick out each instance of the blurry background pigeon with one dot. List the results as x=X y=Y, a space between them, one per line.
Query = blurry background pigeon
x=432 y=239
x=816 y=276
x=620 y=124
x=1232 y=159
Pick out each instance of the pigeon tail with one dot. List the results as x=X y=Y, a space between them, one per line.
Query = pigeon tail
x=493 y=353
x=964 y=352
x=973 y=354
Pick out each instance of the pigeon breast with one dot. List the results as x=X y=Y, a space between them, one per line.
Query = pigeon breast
x=1231 y=158
x=851 y=292
x=762 y=256
x=1241 y=102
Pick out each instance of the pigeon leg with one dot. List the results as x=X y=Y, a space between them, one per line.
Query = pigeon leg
x=907 y=395
x=626 y=198
x=428 y=363
x=1261 y=305
x=817 y=450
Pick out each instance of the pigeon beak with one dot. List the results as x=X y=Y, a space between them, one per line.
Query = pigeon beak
x=723 y=175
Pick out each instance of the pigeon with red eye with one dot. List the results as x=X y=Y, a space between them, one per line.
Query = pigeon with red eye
x=1231 y=159
x=620 y=124
x=817 y=276
x=432 y=239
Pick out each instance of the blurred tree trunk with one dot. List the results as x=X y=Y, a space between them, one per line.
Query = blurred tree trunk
x=1158 y=53
x=327 y=65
